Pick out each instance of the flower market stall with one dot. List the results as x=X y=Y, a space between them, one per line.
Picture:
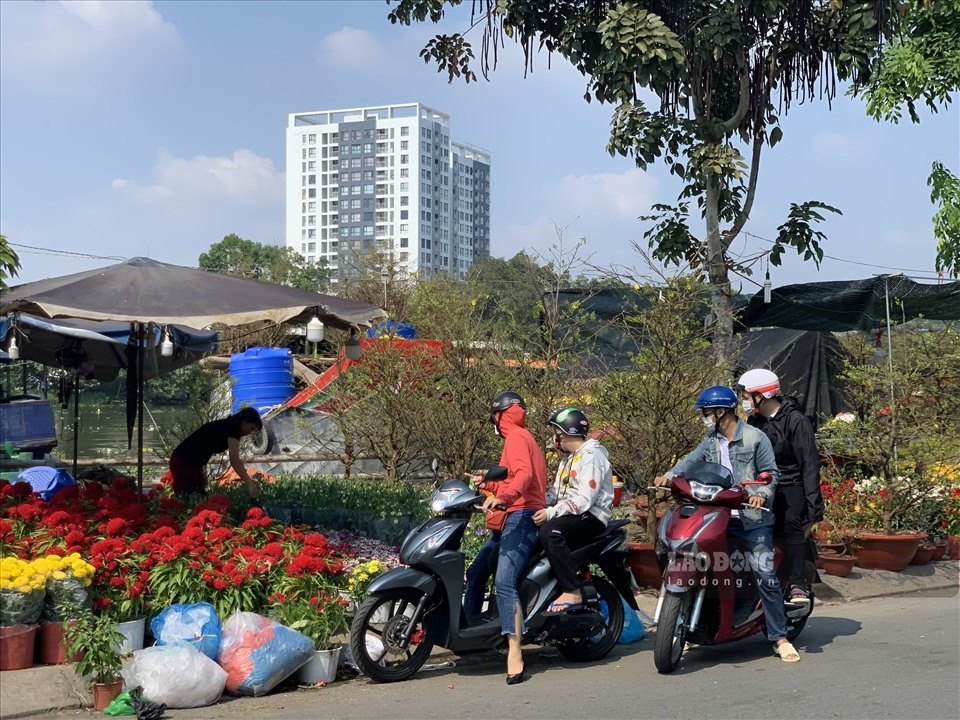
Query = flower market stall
x=108 y=554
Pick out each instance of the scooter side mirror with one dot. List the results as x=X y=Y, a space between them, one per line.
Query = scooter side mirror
x=763 y=478
x=496 y=472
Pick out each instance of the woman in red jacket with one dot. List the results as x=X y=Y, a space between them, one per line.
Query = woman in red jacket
x=522 y=493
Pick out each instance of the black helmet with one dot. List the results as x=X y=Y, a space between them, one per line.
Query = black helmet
x=505 y=399
x=570 y=421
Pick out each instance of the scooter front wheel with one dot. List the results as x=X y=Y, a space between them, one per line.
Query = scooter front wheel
x=378 y=631
x=671 y=635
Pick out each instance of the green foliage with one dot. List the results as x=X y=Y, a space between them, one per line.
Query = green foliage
x=946 y=222
x=9 y=262
x=648 y=410
x=94 y=640
x=921 y=64
x=366 y=506
x=509 y=293
x=724 y=72
x=276 y=264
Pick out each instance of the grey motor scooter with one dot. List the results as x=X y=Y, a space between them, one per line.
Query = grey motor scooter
x=413 y=608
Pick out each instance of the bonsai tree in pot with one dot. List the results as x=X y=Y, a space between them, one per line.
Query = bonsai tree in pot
x=648 y=408
x=903 y=430
x=94 y=640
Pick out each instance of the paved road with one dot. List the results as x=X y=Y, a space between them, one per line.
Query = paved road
x=887 y=658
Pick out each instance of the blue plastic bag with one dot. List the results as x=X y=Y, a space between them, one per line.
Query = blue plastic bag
x=258 y=653
x=633 y=627
x=195 y=623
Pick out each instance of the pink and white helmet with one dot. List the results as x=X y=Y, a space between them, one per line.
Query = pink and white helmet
x=760 y=381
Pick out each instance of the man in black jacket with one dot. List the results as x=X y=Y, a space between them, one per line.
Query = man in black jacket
x=798 y=502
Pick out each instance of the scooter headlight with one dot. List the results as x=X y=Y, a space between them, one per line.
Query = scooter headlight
x=704 y=493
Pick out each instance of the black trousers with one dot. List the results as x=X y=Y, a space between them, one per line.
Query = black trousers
x=790 y=510
x=562 y=535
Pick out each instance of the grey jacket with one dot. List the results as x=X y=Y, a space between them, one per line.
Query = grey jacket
x=750 y=454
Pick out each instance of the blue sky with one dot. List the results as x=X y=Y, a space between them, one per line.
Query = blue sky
x=138 y=128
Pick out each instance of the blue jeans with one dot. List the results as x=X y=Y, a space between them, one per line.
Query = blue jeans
x=478 y=573
x=758 y=543
x=517 y=541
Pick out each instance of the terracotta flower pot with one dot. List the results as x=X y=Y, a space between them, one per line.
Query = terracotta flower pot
x=953 y=546
x=642 y=562
x=886 y=552
x=50 y=649
x=923 y=555
x=837 y=565
x=16 y=646
x=939 y=551
x=105 y=693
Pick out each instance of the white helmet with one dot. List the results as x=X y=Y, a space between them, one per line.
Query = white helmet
x=763 y=382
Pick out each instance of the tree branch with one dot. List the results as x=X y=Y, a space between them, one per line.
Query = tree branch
x=731 y=125
x=731 y=234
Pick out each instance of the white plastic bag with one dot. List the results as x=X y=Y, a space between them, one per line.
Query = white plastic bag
x=176 y=675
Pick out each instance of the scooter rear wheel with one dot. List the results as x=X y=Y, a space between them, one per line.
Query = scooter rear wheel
x=377 y=630
x=671 y=635
x=599 y=645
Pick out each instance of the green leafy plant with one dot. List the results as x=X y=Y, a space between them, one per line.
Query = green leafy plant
x=904 y=427
x=320 y=617
x=94 y=639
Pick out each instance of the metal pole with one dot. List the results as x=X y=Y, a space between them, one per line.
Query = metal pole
x=141 y=341
x=76 y=423
x=893 y=412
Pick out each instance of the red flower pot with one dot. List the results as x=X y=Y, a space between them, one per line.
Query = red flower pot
x=49 y=645
x=939 y=551
x=923 y=555
x=886 y=552
x=16 y=646
x=837 y=565
x=642 y=562
x=953 y=545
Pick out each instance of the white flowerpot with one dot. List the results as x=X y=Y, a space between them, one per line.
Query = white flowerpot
x=132 y=632
x=322 y=666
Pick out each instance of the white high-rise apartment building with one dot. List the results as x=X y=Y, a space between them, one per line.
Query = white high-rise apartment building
x=386 y=178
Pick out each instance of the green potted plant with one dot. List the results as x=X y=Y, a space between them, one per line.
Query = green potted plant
x=901 y=433
x=94 y=640
x=320 y=617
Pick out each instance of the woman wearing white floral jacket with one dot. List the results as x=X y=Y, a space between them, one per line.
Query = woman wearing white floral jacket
x=580 y=502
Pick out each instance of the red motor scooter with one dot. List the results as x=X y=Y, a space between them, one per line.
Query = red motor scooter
x=709 y=595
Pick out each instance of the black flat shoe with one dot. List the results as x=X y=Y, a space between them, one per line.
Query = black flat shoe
x=518 y=678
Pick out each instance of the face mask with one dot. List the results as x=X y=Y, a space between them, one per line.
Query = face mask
x=708 y=421
x=747 y=405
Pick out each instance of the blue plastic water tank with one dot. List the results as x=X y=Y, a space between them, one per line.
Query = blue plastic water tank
x=263 y=377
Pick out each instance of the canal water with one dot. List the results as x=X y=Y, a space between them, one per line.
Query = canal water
x=103 y=431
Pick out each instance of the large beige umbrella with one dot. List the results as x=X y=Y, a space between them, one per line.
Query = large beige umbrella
x=146 y=292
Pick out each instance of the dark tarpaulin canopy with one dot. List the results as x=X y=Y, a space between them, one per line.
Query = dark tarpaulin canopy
x=806 y=361
x=147 y=291
x=98 y=348
x=603 y=319
x=852 y=304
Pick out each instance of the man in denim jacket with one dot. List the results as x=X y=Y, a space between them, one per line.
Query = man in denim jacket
x=746 y=452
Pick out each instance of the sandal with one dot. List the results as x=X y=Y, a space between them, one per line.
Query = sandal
x=557 y=608
x=786 y=652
